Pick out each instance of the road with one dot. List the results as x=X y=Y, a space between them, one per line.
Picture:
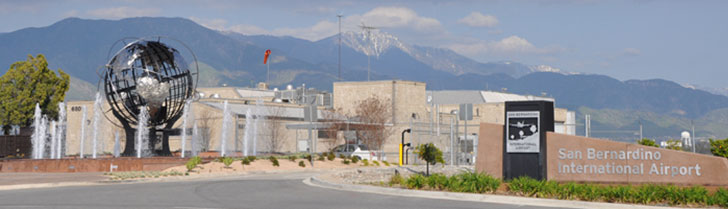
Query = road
x=253 y=191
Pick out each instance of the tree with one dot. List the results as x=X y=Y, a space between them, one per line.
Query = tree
x=335 y=120
x=719 y=147
x=206 y=122
x=27 y=83
x=674 y=144
x=274 y=128
x=430 y=154
x=374 y=113
x=647 y=142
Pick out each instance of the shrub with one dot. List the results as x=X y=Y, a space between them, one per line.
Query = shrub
x=673 y=144
x=395 y=179
x=437 y=181
x=227 y=161
x=197 y=159
x=342 y=156
x=524 y=185
x=365 y=162
x=246 y=161
x=720 y=198
x=355 y=159
x=292 y=158
x=308 y=157
x=302 y=164
x=345 y=162
x=320 y=157
x=473 y=182
x=191 y=164
x=647 y=142
x=416 y=181
x=331 y=156
x=274 y=160
x=385 y=163
x=719 y=147
x=375 y=162
x=252 y=158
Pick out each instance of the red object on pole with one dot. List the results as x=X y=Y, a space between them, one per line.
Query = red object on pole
x=267 y=53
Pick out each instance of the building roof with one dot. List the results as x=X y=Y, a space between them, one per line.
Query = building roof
x=477 y=97
x=295 y=113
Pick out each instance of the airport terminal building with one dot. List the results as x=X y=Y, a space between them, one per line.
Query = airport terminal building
x=276 y=118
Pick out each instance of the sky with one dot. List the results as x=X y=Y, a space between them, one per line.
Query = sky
x=682 y=41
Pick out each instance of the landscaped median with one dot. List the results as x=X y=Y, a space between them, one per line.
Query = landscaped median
x=460 y=183
x=648 y=194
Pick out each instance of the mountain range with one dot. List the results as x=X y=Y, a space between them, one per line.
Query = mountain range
x=81 y=46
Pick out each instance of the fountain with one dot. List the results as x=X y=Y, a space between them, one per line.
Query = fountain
x=36 y=131
x=60 y=130
x=142 y=137
x=194 y=142
x=259 y=119
x=185 y=117
x=97 y=117
x=248 y=131
x=117 y=146
x=223 y=134
x=83 y=131
x=53 y=139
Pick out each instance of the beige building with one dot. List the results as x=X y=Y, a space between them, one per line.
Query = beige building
x=430 y=114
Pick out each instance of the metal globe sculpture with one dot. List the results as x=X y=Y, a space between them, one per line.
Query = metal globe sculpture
x=148 y=74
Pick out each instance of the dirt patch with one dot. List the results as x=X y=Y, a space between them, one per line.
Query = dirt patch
x=265 y=165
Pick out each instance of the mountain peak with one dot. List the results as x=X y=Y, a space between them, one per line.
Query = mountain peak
x=372 y=43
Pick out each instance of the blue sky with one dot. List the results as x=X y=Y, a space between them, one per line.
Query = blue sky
x=683 y=41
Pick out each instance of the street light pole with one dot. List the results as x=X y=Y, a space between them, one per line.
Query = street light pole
x=401 y=146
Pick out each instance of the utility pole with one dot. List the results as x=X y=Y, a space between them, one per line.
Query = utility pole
x=369 y=38
x=339 y=15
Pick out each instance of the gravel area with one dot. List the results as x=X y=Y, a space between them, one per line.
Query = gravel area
x=369 y=175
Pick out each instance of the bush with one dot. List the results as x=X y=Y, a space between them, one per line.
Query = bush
x=365 y=162
x=227 y=161
x=320 y=157
x=197 y=159
x=292 y=158
x=252 y=158
x=673 y=144
x=274 y=160
x=473 y=182
x=191 y=164
x=355 y=159
x=375 y=162
x=720 y=198
x=395 y=179
x=385 y=163
x=416 y=181
x=302 y=164
x=331 y=156
x=308 y=157
x=647 y=142
x=342 y=156
x=719 y=147
x=437 y=181
x=246 y=161
x=345 y=162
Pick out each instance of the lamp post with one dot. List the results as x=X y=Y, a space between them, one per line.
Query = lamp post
x=401 y=146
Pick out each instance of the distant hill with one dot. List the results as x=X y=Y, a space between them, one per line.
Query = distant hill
x=81 y=46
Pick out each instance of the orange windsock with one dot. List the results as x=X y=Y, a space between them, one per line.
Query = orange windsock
x=267 y=53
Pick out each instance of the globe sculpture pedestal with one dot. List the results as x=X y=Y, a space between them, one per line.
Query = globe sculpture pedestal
x=148 y=74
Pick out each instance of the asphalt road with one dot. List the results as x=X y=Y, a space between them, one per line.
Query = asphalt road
x=272 y=191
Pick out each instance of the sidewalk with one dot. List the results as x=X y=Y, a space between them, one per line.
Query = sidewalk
x=33 y=180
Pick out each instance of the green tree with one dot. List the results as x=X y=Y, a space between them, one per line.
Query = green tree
x=674 y=144
x=27 y=83
x=430 y=154
x=647 y=142
x=719 y=147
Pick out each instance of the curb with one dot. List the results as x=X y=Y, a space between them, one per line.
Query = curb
x=486 y=198
x=48 y=185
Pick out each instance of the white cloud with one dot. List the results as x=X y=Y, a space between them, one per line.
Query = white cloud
x=123 y=12
x=72 y=13
x=631 y=52
x=476 y=19
x=397 y=18
x=508 y=45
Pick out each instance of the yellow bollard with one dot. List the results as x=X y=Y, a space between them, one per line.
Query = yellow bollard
x=401 y=153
